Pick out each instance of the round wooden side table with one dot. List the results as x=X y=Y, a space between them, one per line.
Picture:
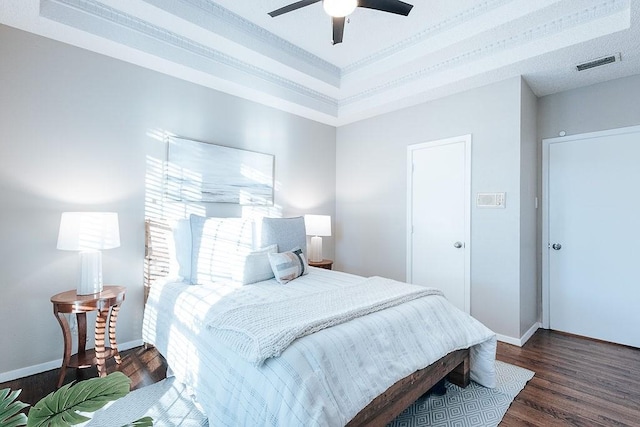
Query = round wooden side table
x=107 y=304
x=325 y=263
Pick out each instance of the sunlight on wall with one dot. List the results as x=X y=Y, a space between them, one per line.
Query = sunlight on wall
x=157 y=205
x=167 y=185
x=158 y=134
x=160 y=213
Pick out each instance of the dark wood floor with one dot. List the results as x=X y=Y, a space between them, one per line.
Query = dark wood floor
x=578 y=381
x=143 y=367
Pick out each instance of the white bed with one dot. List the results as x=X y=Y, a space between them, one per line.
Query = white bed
x=322 y=379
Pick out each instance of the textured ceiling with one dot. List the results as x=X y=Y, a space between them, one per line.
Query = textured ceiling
x=386 y=61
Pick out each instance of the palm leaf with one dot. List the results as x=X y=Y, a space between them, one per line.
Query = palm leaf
x=142 y=422
x=10 y=415
x=62 y=406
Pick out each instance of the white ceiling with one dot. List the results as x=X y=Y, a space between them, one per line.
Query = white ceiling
x=386 y=61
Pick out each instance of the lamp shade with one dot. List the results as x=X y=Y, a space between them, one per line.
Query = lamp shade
x=318 y=225
x=339 y=8
x=85 y=231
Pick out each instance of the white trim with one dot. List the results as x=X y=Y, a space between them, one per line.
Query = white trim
x=103 y=20
x=53 y=364
x=546 y=143
x=532 y=330
x=544 y=239
x=523 y=339
x=466 y=139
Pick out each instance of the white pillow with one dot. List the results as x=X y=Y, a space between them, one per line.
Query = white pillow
x=182 y=245
x=289 y=265
x=287 y=233
x=219 y=247
x=256 y=266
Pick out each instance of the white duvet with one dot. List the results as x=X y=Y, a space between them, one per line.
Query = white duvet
x=322 y=379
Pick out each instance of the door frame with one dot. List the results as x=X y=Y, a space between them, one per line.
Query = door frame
x=466 y=139
x=546 y=145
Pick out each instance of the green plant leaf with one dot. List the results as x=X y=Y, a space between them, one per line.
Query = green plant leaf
x=62 y=406
x=142 y=422
x=10 y=415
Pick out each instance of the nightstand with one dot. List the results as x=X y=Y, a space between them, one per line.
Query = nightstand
x=325 y=263
x=107 y=304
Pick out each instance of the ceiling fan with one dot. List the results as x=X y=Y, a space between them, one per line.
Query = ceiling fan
x=339 y=9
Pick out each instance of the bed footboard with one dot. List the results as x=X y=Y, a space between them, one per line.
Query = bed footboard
x=387 y=406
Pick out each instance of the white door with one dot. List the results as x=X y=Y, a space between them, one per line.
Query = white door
x=438 y=219
x=593 y=234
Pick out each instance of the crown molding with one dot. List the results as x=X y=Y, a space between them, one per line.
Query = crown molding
x=420 y=37
x=548 y=29
x=215 y=18
x=307 y=87
x=102 y=20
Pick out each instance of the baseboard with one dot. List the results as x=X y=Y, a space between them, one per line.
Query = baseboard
x=54 y=364
x=523 y=339
x=532 y=330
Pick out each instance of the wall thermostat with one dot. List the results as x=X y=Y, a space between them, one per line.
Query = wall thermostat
x=491 y=200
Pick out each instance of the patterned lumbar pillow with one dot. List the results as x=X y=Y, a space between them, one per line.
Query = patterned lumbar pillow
x=289 y=265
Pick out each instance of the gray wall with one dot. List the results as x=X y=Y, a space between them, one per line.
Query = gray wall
x=609 y=105
x=530 y=288
x=78 y=133
x=371 y=193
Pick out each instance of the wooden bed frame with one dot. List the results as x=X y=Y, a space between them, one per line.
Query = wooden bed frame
x=384 y=408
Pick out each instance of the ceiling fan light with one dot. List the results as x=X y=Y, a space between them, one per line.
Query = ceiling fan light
x=339 y=8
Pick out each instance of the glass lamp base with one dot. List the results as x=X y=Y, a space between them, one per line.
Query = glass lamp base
x=90 y=273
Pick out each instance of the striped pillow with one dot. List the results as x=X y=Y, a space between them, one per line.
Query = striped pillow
x=256 y=266
x=219 y=246
x=289 y=265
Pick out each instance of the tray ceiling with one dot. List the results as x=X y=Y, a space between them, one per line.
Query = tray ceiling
x=386 y=61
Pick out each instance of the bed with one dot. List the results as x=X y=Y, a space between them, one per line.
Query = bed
x=362 y=371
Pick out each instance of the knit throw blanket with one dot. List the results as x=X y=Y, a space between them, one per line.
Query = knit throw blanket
x=259 y=331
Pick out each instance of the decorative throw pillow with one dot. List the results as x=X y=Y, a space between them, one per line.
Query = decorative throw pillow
x=219 y=246
x=256 y=266
x=289 y=265
x=287 y=233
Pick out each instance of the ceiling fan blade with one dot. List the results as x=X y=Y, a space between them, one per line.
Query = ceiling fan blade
x=391 y=6
x=338 y=29
x=293 y=6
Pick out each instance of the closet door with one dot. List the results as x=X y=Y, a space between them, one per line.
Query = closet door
x=438 y=217
x=593 y=232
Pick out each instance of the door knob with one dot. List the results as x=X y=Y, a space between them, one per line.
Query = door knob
x=457 y=245
x=556 y=246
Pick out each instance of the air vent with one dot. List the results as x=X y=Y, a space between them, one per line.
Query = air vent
x=598 y=62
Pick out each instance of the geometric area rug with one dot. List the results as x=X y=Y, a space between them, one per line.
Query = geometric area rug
x=475 y=405
x=168 y=403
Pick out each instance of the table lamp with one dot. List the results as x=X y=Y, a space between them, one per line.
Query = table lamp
x=89 y=233
x=317 y=226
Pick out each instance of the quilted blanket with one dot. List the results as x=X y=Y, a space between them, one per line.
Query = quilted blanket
x=259 y=331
